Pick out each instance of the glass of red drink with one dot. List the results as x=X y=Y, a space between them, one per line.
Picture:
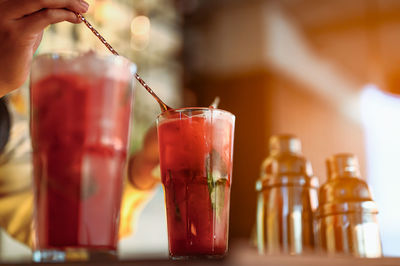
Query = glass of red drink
x=80 y=120
x=196 y=149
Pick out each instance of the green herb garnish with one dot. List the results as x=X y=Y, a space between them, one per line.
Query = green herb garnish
x=217 y=176
x=178 y=215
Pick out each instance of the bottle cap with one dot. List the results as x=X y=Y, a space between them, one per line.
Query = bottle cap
x=342 y=165
x=284 y=144
x=286 y=165
x=345 y=191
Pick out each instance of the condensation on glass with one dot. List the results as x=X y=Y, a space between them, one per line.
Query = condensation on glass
x=80 y=122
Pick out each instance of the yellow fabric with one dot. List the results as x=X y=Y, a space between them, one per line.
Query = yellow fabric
x=16 y=215
x=132 y=202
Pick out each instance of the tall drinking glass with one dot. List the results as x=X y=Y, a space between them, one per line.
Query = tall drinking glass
x=196 y=149
x=80 y=119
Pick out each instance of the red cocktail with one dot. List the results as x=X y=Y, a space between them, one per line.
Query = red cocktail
x=80 y=117
x=196 y=149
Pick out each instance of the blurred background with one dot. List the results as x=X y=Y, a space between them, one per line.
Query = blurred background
x=326 y=71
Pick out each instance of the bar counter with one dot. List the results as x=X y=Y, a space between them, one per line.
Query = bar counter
x=241 y=253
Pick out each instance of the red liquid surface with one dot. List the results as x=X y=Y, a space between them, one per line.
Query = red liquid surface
x=79 y=131
x=192 y=150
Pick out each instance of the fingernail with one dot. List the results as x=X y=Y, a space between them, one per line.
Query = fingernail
x=84 y=5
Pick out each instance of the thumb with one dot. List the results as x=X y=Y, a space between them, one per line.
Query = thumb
x=37 y=42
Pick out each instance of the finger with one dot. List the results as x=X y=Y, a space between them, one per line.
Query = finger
x=38 y=21
x=19 y=8
x=37 y=42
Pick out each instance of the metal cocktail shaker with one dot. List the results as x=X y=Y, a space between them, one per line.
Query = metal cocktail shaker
x=287 y=199
x=347 y=214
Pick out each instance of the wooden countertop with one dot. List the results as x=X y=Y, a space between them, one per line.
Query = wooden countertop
x=243 y=254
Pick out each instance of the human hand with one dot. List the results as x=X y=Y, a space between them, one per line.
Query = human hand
x=21 y=28
x=142 y=164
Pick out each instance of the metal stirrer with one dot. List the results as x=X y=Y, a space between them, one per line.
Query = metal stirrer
x=163 y=106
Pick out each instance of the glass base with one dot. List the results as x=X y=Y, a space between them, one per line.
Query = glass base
x=73 y=254
x=197 y=257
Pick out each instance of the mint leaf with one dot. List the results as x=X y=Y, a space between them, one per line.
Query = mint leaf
x=217 y=176
x=177 y=212
x=178 y=215
x=219 y=198
x=89 y=187
x=210 y=180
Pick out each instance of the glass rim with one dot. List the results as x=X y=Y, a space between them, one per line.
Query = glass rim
x=69 y=55
x=189 y=109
